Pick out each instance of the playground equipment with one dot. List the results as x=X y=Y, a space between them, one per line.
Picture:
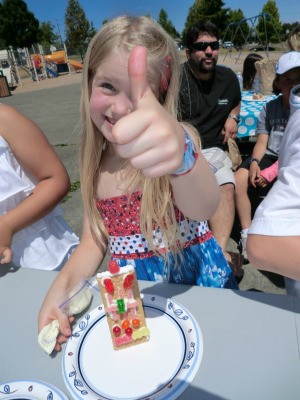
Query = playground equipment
x=60 y=58
x=251 y=24
x=37 y=65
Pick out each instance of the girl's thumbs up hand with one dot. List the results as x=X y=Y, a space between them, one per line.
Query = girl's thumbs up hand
x=149 y=137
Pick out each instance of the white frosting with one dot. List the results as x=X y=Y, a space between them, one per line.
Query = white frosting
x=123 y=270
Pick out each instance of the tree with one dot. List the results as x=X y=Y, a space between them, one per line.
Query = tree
x=18 y=26
x=168 y=26
x=288 y=28
x=269 y=25
x=237 y=28
x=77 y=28
x=208 y=10
x=47 y=37
x=92 y=30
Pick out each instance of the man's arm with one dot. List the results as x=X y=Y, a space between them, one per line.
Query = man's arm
x=231 y=124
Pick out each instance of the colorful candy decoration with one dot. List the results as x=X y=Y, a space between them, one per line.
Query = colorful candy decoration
x=125 y=324
x=136 y=323
x=123 y=306
x=113 y=267
x=128 y=281
x=117 y=330
x=109 y=286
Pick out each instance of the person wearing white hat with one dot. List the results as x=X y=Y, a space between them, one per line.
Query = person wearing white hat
x=287 y=62
x=270 y=129
x=274 y=235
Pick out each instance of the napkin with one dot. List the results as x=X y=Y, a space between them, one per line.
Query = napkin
x=77 y=299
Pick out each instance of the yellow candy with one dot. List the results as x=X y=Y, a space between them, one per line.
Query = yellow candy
x=139 y=333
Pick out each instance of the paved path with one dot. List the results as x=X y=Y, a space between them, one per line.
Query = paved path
x=56 y=111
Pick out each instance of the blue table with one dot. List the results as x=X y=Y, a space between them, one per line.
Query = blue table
x=249 y=113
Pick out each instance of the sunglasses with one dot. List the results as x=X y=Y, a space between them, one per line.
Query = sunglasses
x=202 y=46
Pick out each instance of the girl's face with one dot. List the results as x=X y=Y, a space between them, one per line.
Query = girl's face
x=111 y=93
x=288 y=80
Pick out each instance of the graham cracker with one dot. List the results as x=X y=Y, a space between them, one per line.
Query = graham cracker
x=131 y=300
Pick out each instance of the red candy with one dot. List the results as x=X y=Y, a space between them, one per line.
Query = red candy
x=109 y=286
x=116 y=330
x=113 y=266
x=128 y=281
x=128 y=331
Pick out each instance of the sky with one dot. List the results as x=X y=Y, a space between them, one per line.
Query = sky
x=98 y=10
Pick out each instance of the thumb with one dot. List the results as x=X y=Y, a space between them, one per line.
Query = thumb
x=137 y=72
x=64 y=324
x=6 y=256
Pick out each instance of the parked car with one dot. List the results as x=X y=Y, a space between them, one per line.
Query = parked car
x=228 y=45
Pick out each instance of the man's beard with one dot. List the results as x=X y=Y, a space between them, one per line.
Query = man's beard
x=206 y=69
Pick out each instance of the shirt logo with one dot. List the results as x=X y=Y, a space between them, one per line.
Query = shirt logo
x=222 y=102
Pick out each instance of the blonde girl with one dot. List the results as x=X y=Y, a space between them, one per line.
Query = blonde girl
x=147 y=189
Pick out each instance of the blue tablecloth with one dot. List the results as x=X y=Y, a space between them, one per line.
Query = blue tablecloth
x=249 y=113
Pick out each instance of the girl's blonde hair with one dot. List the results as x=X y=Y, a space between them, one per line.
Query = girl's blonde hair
x=124 y=33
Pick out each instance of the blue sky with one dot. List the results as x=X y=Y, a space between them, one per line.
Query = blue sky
x=98 y=10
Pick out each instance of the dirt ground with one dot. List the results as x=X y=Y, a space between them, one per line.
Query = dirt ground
x=232 y=59
x=28 y=85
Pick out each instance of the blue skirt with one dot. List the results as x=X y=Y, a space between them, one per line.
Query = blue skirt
x=202 y=264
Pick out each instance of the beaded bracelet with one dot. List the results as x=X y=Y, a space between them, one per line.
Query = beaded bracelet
x=189 y=158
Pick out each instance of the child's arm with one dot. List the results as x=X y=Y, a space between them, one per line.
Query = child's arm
x=34 y=153
x=154 y=142
x=196 y=193
x=83 y=263
x=271 y=172
x=278 y=254
x=258 y=152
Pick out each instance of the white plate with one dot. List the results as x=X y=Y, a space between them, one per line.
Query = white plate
x=30 y=390
x=159 y=369
x=250 y=98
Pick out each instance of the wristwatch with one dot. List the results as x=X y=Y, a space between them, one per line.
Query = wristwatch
x=236 y=117
x=253 y=159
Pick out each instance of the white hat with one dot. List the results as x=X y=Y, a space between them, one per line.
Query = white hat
x=288 y=61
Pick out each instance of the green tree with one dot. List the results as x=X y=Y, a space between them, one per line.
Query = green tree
x=77 y=28
x=208 y=10
x=168 y=26
x=92 y=30
x=237 y=28
x=269 y=25
x=18 y=26
x=288 y=28
x=47 y=36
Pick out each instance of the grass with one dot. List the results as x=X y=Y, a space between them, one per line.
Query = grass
x=74 y=186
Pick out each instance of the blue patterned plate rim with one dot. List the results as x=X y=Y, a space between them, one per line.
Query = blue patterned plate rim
x=192 y=355
x=30 y=389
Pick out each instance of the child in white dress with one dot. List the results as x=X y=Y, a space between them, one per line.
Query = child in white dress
x=33 y=233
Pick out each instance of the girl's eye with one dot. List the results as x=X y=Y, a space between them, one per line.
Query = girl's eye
x=107 y=86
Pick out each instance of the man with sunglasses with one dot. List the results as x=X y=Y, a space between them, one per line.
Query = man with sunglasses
x=210 y=100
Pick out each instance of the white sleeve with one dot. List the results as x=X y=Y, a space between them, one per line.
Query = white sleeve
x=279 y=213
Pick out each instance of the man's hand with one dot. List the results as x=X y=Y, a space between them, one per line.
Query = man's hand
x=230 y=129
